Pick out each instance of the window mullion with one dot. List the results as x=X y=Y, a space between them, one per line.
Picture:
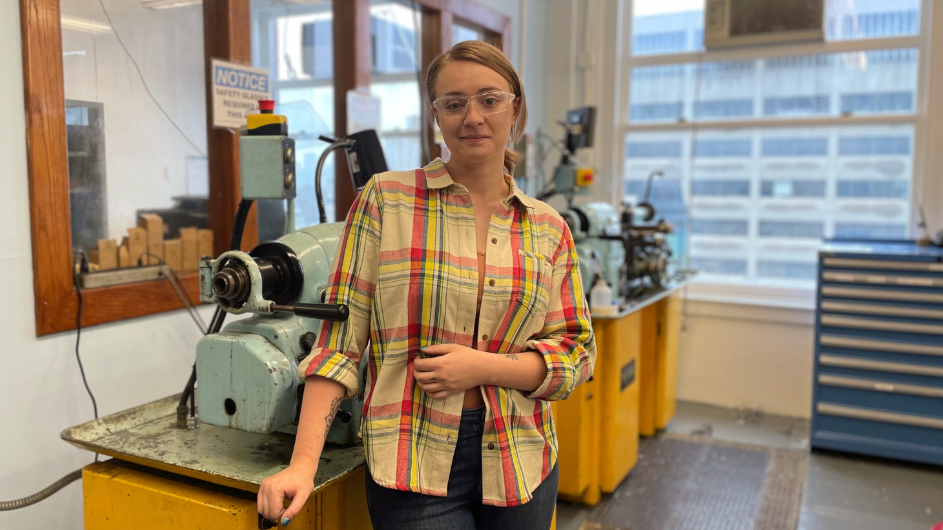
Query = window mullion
x=782 y=50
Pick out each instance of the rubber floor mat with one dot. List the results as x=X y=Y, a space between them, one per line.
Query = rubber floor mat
x=696 y=483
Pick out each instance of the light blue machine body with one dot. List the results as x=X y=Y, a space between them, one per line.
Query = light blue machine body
x=253 y=361
x=588 y=222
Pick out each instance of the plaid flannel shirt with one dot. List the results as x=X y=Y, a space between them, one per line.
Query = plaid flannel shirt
x=407 y=268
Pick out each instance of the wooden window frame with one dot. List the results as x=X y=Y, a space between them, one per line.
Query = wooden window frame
x=226 y=27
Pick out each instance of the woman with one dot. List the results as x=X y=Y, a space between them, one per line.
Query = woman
x=457 y=427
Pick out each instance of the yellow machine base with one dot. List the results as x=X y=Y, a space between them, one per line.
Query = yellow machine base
x=633 y=392
x=119 y=496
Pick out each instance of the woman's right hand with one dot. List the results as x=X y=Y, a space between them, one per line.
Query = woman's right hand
x=292 y=483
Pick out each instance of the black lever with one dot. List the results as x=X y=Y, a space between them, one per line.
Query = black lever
x=332 y=312
x=265 y=524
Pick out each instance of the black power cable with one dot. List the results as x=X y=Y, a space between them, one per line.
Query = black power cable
x=82 y=262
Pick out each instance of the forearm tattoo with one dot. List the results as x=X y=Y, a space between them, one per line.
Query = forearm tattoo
x=329 y=419
x=510 y=356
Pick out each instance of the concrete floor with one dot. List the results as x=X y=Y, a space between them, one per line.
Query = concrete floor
x=842 y=492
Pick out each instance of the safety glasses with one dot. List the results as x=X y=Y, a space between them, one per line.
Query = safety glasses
x=486 y=103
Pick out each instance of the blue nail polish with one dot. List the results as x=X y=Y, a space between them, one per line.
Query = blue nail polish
x=285 y=521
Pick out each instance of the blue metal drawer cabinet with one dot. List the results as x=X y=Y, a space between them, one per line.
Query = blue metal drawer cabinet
x=878 y=379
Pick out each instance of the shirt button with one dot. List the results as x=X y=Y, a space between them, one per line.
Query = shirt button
x=484 y=337
x=491 y=283
x=494 y=240
x=490 y=446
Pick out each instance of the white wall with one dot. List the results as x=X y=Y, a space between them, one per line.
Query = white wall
x=738 y=355
x=40 y=388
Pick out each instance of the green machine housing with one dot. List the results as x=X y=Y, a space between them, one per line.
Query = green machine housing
x=591 y=224
x=247 y=372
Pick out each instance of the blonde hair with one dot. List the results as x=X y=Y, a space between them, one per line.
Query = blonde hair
x=490 y=56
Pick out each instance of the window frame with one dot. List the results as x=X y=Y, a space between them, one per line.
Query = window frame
x=797 y=297
x=56 y=300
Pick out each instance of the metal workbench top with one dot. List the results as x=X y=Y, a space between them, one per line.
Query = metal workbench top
x=648 y=298
x=147 y=435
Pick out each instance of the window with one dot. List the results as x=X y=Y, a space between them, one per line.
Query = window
x=396 y=41
x=751 y=196
x=766 y=150
x=839 y=84
x=295 y=43
x=766 y=196
x=462 y=32
x=117 y=168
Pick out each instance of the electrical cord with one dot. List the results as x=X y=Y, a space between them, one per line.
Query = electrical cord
x=215 y=324
x=83 y=263
x=6 y=506
x=80 y=263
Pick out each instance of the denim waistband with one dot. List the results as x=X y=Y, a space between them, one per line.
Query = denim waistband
x=474 y=414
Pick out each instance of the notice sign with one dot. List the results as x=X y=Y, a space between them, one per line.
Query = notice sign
x=237 y=90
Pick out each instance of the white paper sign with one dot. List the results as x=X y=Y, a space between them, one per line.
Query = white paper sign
x=237 y=90
x=363 y=112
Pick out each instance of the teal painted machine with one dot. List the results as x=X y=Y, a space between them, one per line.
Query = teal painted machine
x=247 y=371
x=590 y=224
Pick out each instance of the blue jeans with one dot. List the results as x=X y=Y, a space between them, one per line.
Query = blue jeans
x=462 y=509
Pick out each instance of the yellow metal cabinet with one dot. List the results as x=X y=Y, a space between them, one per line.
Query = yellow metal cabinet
x=597 y=427
x=618 y=365
x=648 y=348
x=576 y=420
x=666 y=368
x=658 y=370
x=119 y=496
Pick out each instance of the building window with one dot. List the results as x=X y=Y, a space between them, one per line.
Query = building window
x=750 y=195
x=294 y=41
x=394 y=80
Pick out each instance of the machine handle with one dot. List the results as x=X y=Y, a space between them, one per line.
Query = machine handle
x=265 y=524
x=333 y=312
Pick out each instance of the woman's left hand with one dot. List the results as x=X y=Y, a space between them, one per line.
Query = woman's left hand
x=451 y=369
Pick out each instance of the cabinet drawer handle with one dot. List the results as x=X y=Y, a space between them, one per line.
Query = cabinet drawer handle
x=879 y=366
x=869 y=323
x=877 y=415
x=844 y=263
x=882 y=279
x=880 y=386
x=880 y=345
x=881 y=294
x=881 y=310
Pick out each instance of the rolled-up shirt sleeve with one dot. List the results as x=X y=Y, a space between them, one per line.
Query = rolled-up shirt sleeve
x=566 y=340
x=340 y=345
